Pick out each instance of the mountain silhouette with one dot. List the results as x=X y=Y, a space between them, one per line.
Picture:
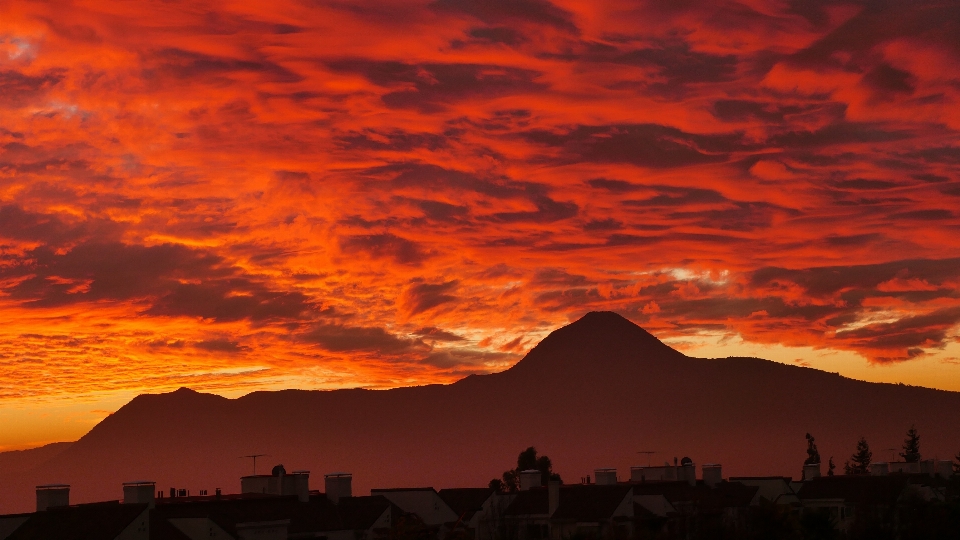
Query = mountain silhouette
x=591 y=394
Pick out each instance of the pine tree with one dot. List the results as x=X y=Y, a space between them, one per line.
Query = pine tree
x=911 y=446
x=861 y=458
x=813 y=455
x=830 y=467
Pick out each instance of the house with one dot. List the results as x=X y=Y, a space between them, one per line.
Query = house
x=369 y=517
x=278 y=483
x=775 y=489
x=688 y=508
x=593 y=510
x=849 y=497
x=266 y=513
x=97 y=521
x=424 y=502
x=255 y=515
x=478 y=509
x=561 y=511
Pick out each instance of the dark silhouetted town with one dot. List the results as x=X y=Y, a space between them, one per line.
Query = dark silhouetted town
x=908 y=498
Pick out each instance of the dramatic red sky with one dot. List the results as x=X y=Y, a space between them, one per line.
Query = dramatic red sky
x=235 y=196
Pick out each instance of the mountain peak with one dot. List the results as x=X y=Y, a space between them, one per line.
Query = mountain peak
x=598 y=341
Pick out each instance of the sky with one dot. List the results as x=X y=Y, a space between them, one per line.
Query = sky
x=241 y=196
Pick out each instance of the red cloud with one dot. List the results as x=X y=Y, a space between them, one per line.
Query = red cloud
x=360 y=194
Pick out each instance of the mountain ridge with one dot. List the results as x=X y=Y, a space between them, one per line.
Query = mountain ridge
x=591 y=393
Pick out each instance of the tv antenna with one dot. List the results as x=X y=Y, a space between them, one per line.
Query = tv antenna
x=893 y=452
x=254 y=456
x=648 y=453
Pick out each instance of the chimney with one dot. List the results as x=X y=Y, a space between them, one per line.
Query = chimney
x=338 y=485
x=301 y=485
x=51 y=495
x=530 y=478
x=712 y=474
x=811 y=471
x=553 y=496
x=605 y=477
x=687 y=471
x=140 y=492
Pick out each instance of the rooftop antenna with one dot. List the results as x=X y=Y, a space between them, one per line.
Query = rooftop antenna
x=648 y=453
x=893 y=452
x=254 y=456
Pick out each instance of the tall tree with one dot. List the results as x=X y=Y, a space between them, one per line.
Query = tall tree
x=813 y=455
x=911 y=446
x=860 y=460
x=526 y=460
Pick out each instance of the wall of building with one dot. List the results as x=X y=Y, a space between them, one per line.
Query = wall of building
x=425 y=503
x=8 y=524
x=199 y=528
x=264 y=530
x=138 y=529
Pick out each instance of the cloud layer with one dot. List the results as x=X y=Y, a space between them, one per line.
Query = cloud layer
x=328 y=194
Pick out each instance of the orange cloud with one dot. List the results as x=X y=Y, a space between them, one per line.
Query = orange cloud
x=240 y=196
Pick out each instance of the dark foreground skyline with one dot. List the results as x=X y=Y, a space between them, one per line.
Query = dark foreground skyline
x=914 y=498
x=238 y=195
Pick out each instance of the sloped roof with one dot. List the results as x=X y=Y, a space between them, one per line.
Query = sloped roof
x=589 y=503
x=317 y=515
x=577 y=502
x=161 y=529
x=465 y=502
x=708 y=499
x=531 y=502
x=786 y=479
x=401 y=489
x=856 y=489
x=360 y=513
x=97 y=521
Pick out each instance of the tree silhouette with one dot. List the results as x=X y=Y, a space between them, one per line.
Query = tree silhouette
x=527 y=460
x=860 y=459
x=956 y=465
x=830 y=467
x=911 y=446
x=410 y=527
x=813 y=455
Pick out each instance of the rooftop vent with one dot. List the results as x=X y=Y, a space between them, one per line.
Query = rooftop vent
x=811 y=471
x=712 y=474
x=530 y=478
x=606 y=476
x=52 y=495
x=139 y=492
x=338 y=485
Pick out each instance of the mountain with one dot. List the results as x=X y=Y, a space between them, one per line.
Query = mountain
x=592 y=394
x=23 y=460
